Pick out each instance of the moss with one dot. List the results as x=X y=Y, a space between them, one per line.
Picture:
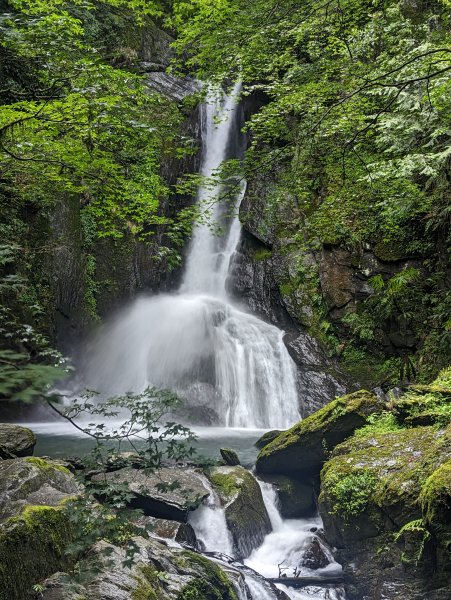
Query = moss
x=360 y=403
x=32 y=547
x=399 y=462
x=435 y=501
x=46 y=466
x=426 y=404
x=225 y=483
x=149 y=587
x=260 y=254
x=213 y=584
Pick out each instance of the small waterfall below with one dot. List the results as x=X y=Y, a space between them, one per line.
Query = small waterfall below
x=231 y=368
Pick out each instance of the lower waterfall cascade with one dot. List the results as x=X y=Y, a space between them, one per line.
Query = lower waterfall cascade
x=284 y=545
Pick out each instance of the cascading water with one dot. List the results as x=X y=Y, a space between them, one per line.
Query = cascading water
x=231 y=368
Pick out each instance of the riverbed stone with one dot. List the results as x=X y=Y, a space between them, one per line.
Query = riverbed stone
x=304 y=448
x=168 y=493
x=182 y=533
x=246 y=515
x=16 y=440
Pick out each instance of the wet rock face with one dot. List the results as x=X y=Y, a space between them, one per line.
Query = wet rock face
x=182 y=533
x=304 y=448
x=296 y=498
x=16 y=441
x=245 y=511
x=183 y=490
x=256 y=276
x=381 y=497
x=230 y=457
x=314 y=556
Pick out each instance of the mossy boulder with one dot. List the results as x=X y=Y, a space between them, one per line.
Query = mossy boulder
x=266 y=438
x=33 y=481
x=435 y=500
x=34 y=532
x=377 y=491
x=144 y=569
x=230 y=457
x=32 y=546
x=169 y=493
x=245 y=511
x=305 y=447
x=16 y=440
x=426 y=404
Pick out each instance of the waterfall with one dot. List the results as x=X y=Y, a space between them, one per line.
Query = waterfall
x=231 y=368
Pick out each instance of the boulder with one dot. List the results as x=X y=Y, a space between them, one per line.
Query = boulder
x=304 y=448
x=168 y=493
x=314 y=556
x=182 y=533
x=245 y=511
x=381 y=495
x=267 y=437
x=296 y=498
x=16 y=440
x=33 y=481
x=144 y=569
x=230 y=457
x=34 y=531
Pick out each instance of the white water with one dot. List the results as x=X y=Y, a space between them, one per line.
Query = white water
x=232 y=368
x=209 y=524
x=285 y=546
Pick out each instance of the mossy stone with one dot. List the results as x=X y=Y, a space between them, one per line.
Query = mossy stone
x=230 y=457
x=16 y=440
x=245 y=511
x=306 y=446
x=266 y=438
x=32 y=546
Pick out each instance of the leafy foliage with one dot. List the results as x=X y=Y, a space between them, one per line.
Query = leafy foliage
x=354 y=129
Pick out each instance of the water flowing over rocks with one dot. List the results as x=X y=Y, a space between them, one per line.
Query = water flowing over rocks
x=245 y=511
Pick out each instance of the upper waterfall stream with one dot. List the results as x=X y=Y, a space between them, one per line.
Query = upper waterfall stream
x=231 y=368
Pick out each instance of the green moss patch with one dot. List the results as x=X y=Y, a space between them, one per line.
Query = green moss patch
x=32 y=547
x=213 y=585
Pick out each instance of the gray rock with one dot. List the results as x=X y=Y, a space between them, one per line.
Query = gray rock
x=33 y=481
x=16 y=440
x=182 y=533
x=146 y=568
x=183 y=491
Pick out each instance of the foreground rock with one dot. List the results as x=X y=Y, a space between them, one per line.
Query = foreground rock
x=148 y=570
x=385 y=504
x=34 y=532
x=169 y=493
x=306 y=446
x=33 y=482
x=16 y=441
x=245 y=511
